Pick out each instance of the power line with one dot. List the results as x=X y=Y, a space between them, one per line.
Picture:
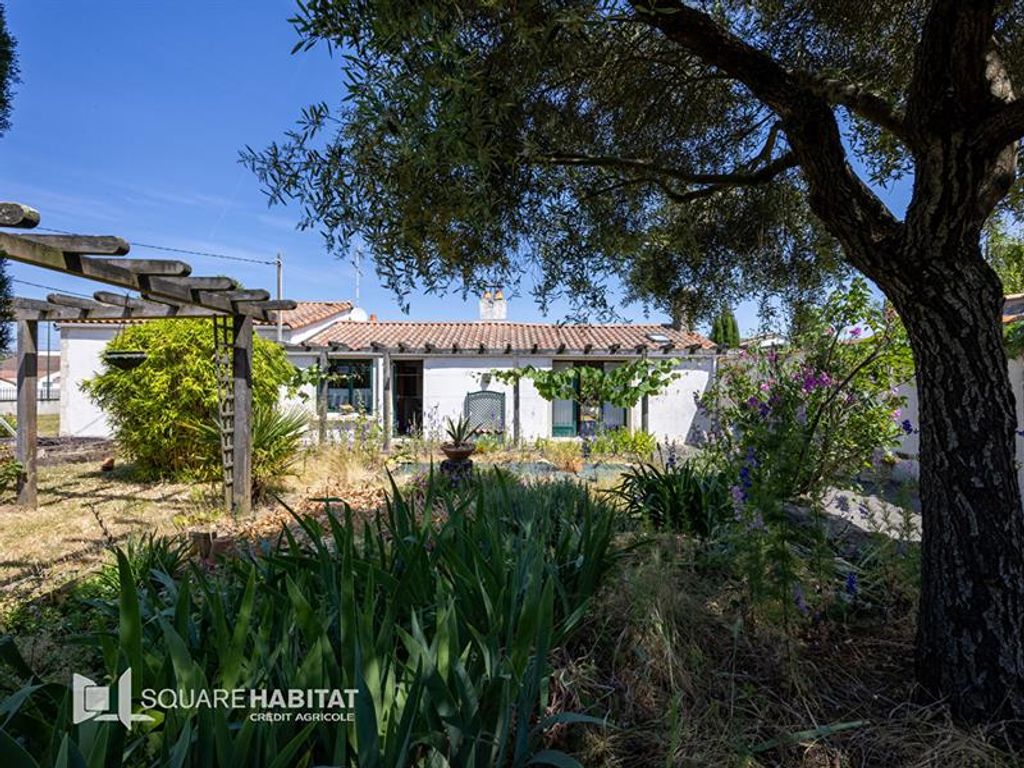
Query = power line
x=203 y=253
x=170 y=249
x=50 y=288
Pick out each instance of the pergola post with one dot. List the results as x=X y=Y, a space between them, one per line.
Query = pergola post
x=645 y=408
x=241 y=369
x=386 y=374
x=517 y=434
x=321 y=398
x=25 y=442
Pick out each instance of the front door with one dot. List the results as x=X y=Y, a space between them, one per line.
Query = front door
x=408 y=378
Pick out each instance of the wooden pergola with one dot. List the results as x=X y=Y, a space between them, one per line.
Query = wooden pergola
x=166 y=289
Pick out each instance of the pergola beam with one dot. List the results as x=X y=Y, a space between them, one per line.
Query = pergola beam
x=241 y=372
x=144 y=267
x=64 y=300
x=82 y=244
x=113 y=306
x=18 y=215
x=208 y=293
x=167 y=289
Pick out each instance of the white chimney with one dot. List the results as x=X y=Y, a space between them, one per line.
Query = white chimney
x=493 y=306
x=499 y=307
x=486 y=306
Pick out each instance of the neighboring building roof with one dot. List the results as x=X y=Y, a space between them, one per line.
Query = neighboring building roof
x=312 y=312
x=9 y=365
x=763 y=340
x=305 y=314
x=1013 y=308
x=499 y=337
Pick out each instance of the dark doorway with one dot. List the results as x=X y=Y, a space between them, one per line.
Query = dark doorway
x=408 y=377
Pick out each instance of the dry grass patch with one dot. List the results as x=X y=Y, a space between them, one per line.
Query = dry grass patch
x=687 y=682
x=83 y=511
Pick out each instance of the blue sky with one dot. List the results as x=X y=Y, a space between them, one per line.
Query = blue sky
x=129 y=120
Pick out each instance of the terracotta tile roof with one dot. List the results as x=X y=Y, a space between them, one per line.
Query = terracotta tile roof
x=305 y=314
x=312 y=312
x=499 y=337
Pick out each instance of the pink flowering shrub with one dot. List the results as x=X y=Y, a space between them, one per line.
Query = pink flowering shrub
x=790 y=423
x=812 y=415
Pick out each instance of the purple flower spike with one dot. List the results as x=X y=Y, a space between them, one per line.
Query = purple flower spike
x=851 y=584
x=799 y=601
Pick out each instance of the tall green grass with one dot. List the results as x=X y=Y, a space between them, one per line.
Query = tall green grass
x=443 y=614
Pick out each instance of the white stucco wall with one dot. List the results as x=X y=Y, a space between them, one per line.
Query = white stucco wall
x=672 y=416
x=910 y=444
x=81 y=350
x=447 y=381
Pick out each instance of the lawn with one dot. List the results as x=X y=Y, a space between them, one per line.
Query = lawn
x=84 y=511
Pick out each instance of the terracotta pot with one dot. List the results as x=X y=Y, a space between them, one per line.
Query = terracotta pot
x=458 y=452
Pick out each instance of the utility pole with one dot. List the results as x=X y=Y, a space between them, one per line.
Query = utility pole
x=48 y=356
x=280 y=295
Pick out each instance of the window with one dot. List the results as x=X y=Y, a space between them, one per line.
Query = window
x=351 y=386
x=568 y=418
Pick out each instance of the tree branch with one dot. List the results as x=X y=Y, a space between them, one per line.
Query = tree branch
x=864 y=103
x=1003 y=127
x=837 y=195
x=950 y=83
x=732 y=179
x=763 y=175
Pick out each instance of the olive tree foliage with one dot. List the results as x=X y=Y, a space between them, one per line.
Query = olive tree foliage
x=1005 y=252
x=696 y=150
x=9 y=77
x=9 y=73
x=477 y=141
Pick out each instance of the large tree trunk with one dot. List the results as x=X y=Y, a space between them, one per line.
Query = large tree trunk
x=970 y=643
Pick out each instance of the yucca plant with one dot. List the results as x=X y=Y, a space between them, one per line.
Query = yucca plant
x=441 y=613
x=276 y=446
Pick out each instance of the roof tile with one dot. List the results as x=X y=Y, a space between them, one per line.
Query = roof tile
x=500 y=336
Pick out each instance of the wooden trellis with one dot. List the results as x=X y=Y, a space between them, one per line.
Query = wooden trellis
x=166 y=289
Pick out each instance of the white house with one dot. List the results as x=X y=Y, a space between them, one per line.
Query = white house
x=48 y=387
x=1013 y=312
x=81 y=356
x=441 y=369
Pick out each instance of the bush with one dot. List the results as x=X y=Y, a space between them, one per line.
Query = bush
x=623 y=442
x=800 y=420
x=792 y=423
x=680 y=498
x=566 y=455
x=175 y=386
x=441 y=613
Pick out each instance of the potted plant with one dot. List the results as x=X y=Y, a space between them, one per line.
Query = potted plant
x=460 y=444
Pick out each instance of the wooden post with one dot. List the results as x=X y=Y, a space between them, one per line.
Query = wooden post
x=645 y=414
x=386 y=373
x=241 y=369
x=321 y=398
x=517 y=433
x=25 y=442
